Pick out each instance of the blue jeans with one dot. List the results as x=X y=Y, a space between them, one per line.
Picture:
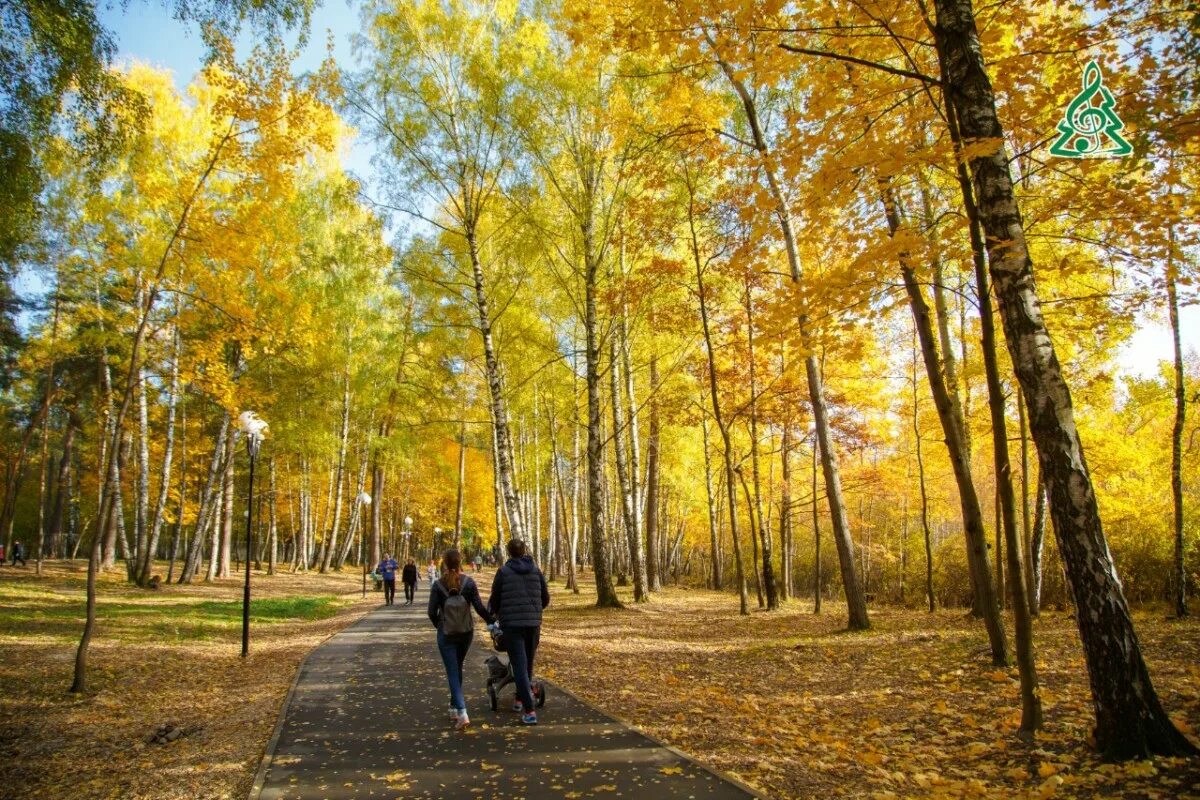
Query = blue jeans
x=454 y=651
x=521 y=644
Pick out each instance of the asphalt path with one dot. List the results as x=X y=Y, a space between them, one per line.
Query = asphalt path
x=366 y=718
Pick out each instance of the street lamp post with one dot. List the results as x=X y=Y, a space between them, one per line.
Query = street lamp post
x=254 y=429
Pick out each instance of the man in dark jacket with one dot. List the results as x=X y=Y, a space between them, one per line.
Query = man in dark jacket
x=519 y=593
x=409 y=576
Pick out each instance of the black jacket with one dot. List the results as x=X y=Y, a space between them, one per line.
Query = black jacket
x=467 y=588
x=409 y=573
x=519 y=593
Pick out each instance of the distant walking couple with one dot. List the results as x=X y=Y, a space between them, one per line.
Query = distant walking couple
x=387 y=572
x=519 y=593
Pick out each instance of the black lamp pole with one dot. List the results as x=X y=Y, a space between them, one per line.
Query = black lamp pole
x=252 y=448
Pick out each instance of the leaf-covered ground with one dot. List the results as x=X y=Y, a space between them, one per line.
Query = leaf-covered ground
x=166 y=656
x=798 y=707
x=787 y=701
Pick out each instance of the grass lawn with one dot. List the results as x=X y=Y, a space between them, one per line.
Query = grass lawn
x=171 y=655
x=794 y=704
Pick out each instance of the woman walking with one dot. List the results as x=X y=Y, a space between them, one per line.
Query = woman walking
x=450 y=600
x=519 y=593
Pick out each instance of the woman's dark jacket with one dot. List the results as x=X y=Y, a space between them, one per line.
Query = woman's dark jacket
x=519 y=593
x=409 y=573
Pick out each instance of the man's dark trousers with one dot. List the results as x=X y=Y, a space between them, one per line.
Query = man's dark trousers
x=389 y=590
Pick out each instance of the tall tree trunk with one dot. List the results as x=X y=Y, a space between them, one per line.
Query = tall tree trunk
x=272 y=529
x=573 y=550
x=972 y=512
x=177 y=533
x=855 y=597
x=355 y=522
x=715 y=397
x=1130 y=721
x=1037 y=540
x=329 y=551
x=63 y=481
x=816 y=526
x=718 y=582
x=1178 y=574
x=164 y=478
x=637 y=565
x=764 y=533
x=142 y=484
x=1031 y=702
x=194 y=554
x=921 y=480
x=653 y=564
x=227 y=497
x=785 y=511
x=462 y=478
x=504 y=450
x=1026 y=526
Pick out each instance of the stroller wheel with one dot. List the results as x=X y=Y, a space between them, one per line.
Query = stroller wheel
x=495 y=701
x=539 y=693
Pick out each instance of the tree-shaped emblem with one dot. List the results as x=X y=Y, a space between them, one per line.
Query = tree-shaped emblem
x=1090 y=128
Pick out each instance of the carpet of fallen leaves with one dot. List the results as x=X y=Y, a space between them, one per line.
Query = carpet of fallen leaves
x=171 y=655
x=796 y=706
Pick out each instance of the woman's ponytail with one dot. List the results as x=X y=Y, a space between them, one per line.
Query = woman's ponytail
x=452 y=570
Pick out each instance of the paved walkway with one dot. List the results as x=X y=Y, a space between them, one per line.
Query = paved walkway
x=367 y=719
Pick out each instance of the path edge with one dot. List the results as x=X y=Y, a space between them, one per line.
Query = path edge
x=745 y=787
x=260 y=776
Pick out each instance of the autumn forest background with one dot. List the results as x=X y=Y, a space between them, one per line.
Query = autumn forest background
x=724 y=307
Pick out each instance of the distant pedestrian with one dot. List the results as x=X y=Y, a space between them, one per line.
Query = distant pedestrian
x=387 y=570
x=409 y=577
x=432 y=572
x=519 y=593
x=3 y=557
x=18 y=553
x=450 y=601
x=478 y=563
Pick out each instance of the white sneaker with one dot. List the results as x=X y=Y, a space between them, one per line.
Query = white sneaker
x=463 y=720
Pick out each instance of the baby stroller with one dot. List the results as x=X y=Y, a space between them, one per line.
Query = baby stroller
x=500 y=674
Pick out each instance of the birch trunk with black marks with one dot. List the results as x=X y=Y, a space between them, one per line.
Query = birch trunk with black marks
x=653 y=562
x=164 y=477
x=1130 y=720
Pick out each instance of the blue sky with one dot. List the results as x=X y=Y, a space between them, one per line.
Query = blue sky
x=145 y=32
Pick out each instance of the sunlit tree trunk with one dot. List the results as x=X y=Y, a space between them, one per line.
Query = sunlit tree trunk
x=764 y=532
x=715 y=398
x=164 y=478
x=1178 y=574
x=1130 y=721
x=916 y=424
x=718 y=582
x=650 y=516
x=273 y=529
x=504 y=450
x=972 y=512
x=624 y=480
x=462 y=478
x=194 y=554
x=816 y=526
x=856 y=601
x=329 y=550
x=227 y=497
